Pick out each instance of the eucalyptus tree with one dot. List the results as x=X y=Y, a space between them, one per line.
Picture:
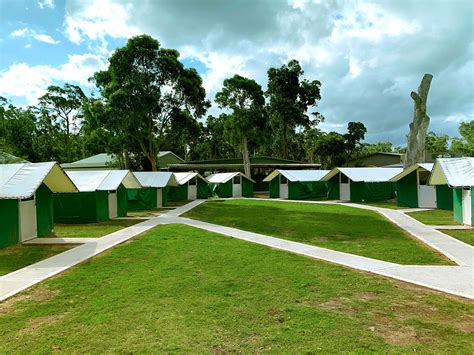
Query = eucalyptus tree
x=145 y=87
x=244 y=98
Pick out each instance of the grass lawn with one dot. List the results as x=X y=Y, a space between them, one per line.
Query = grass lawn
x=337 y=227
x=18 y=256
x=385 y=204
x=180 y=289
x=91 y=230
x=466 y=235
x=434 y=217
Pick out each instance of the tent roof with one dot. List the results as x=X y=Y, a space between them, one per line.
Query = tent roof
x=365 y=174
x=103 y=180
x=456 y=172
x=156 y=179
x=221 y=178
x=414 y=167
x=183 y=178
x=298 y=175
x=22 y=180
x=6 y=158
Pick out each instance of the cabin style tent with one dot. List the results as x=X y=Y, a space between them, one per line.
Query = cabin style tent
x=190 y=187
x=102 y=195
x=154 y=192
x=361 y=184
x=412 y=189
x=297 y=184
x=231 y=185
x=26 y=200
x=457 y=173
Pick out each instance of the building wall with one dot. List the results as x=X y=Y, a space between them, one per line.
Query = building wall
x=376 y=160
x=164 y=161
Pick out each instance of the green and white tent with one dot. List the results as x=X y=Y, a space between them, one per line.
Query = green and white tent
x=412 y=189
x=154 y=192
x=231 y=185
x=361 y=184
x=190 y=187
x=457 y=173
x=26 y=200
x=297 y=184
x=102 y=195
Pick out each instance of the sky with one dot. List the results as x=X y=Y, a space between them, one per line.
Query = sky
x=368 y=55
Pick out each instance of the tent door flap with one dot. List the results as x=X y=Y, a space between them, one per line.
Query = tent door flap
x=159 y=198
x=27 y=219
x=112 y=204
x=284 y=190
x=466 y=207
x=192 y=192
x=426 y=196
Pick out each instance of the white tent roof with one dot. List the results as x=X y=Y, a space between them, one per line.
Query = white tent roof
x=103 y=180
x=183 y=178
x=156 y=179
x=221 y=178
x=414 y=167
x=365 y=174
x=456 y=172
x=298 y=175
x=22 y=180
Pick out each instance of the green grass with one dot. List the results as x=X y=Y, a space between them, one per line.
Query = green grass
x=385 y=204
x=18 y=256
x=91 y=230
x=337 y=227
x=434 y=217
x=466 y=235
x=178 y=289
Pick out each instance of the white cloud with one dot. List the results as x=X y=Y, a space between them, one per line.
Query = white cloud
x=46 y=4
x=27 y=32
x=21 y=32
x=45 y=38
x=30 y=82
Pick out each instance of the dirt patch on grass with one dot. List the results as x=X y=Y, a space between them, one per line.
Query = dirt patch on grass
x=340 y=305
x=38 y=322
x=400 y=335
x=38 y=294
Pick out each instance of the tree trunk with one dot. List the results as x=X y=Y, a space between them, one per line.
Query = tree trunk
x=126 y=159
x=246 y=158
x=419 y=127
x=153 y=162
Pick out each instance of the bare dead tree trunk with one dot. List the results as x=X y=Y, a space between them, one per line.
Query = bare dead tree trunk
x=419 y=127
x=246 y=158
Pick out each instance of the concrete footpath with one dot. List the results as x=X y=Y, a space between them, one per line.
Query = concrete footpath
x=456 y=280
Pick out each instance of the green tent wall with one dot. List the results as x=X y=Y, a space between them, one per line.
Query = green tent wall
x=178 y=193
x=334 y=188
x=274 y=187
x=10 y=226
x=247 y=187
x=222 y=190
x=407 y=191
x=142 y=199
x=44 y=211
x=122 y=201
x=458 y=207
x=444 y=197
x=203 y=189
x=372 y=191
x=307 y=190
x=81 y=207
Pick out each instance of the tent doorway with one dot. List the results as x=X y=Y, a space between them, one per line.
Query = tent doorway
x=112 y=204
x=426 y=193
x=27 y=219
x=283 y=187
x=466 y=207
x=237 y=186
x=192 y=188
x=159 y=197
x=345 y=188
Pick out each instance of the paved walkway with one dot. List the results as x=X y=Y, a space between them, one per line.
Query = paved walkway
x=456 y=280
x=19 y=280
x=452 y=227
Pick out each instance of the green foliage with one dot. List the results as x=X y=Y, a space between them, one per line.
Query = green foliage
x=290 y=98
x=146 y=88
x=437 y=144
x=465 y=144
